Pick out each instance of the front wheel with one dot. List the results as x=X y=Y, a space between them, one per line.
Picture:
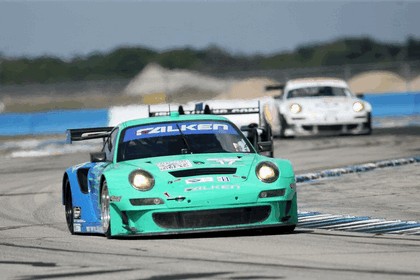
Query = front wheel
x=105 y=211
x=288 y=229
x=68 y=206
x=283 y=125
x=369 y=124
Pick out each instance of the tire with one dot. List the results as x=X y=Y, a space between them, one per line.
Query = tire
x=283 y=125
x=68 y=206
x=288 y=229
x=369 y=124
x=254 y=137
x=270 y=138
x=105 y=211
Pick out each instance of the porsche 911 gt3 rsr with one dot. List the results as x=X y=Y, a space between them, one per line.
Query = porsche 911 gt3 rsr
x=314 y=106
x=177 y=174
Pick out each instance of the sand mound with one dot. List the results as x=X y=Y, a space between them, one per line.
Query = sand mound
x=414 y=85
x=249 y=89
x=377 y=81
x=183 y=85
x=156 y=79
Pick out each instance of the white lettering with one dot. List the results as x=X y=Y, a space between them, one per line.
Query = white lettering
x=221 y=126
x=143 y=131
x=172 y=129
x=185 y=127
x=205 y=126
x=211 y=188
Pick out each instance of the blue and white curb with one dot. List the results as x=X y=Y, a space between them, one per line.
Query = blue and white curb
x=363 y=224
x=355 y=169
x=317 y=220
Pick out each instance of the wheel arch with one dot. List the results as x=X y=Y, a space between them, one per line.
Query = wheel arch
x=101 y=183
x=63 y=186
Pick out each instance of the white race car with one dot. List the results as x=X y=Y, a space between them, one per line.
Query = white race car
x=319 y=106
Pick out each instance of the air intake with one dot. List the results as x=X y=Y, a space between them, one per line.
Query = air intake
x=202 y=171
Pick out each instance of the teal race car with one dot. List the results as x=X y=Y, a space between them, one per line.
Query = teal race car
x=177 y=174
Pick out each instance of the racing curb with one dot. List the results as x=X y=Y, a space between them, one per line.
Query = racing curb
x=355 y=169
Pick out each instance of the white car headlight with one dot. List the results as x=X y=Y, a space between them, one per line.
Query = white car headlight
x=267 y=172
x=295 y=108
x=358 y=106
x=141 y=180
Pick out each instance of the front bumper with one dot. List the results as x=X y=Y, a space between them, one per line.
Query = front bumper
x=334 y=129
x=328 y=125
x=270 y=213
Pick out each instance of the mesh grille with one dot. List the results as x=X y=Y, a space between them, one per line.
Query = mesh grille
x=202 y=171
x=212 y=218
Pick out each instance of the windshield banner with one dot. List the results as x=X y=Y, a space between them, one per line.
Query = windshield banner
x=171 y=129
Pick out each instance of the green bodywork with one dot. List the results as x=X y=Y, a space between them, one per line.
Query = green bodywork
x=215 y=196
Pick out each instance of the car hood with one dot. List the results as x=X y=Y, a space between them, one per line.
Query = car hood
x=323 y=103
x=198 y=179
x=190 y=165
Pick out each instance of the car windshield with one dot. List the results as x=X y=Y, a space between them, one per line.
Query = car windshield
x=185 y=137
x=323 y=91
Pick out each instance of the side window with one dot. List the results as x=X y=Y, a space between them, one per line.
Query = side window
x=109 y=147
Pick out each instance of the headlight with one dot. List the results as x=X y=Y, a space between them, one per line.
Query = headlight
x=295 y=108
x=267 y=172
x=358 y=106
x=141 y=180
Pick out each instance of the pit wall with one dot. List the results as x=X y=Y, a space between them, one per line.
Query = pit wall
x=56 y=122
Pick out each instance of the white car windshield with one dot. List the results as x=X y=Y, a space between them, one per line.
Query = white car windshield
x=320 y=91
x=182 y=137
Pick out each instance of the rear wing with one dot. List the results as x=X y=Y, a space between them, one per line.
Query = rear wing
x=81 y=134
x=260 y=137
x=199 y=110
x=275 y=87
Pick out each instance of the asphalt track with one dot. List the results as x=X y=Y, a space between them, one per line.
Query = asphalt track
x=35 y=243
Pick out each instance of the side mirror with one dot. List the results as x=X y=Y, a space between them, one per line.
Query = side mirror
x=275 y=87
x=360 y=95
x=266 y=146
x=98 y=157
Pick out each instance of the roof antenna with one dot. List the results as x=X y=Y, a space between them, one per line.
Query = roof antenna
x=207 y=109
x=181 y=110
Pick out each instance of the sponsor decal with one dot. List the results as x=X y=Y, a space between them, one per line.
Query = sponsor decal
x=223 y=179
x=115 y=198
x=173 y=128
x=94 y=229
x=76 y=167
x=212 y=188
x=171 y=182
x=227 y=161
x=171 y=165
x=199 y=180
x=77 y=227
x=236 y=111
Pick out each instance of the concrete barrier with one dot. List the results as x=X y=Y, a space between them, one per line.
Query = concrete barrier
x=54 y=122
x=394 y=104
x=51 y=122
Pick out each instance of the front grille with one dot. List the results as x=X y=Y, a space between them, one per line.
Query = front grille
x=82 y=177
x=212 y=218
x=330 y=127
x=202 y=171
x=352 y=126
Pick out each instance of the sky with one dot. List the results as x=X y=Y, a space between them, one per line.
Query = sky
x=76 y=28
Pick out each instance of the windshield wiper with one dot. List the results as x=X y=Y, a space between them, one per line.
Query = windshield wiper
x=188 y=150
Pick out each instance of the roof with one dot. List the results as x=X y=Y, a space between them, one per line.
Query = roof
x=316 y=81
x=173 y=117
